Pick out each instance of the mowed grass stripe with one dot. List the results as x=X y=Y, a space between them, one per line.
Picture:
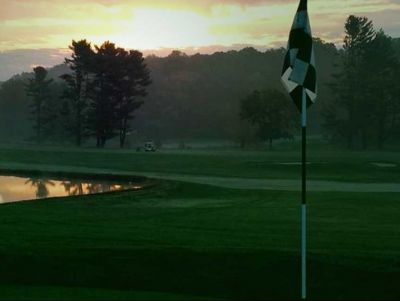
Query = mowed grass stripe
x=325 y=165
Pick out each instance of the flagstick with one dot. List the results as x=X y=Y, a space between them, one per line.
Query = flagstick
x=303 y=196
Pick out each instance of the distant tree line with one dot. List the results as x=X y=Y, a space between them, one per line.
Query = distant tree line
x=104 y=88
x=200 y=96
x=191 y=97
x=204 y=96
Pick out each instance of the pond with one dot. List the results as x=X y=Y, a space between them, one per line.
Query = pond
x=16 y=188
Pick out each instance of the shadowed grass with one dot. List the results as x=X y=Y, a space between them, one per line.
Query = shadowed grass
x=179 y=239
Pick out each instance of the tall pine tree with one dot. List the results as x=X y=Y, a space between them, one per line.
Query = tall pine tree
x=78 y=83
x=38 y=89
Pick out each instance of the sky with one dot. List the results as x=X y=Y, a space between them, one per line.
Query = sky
x=38 y=32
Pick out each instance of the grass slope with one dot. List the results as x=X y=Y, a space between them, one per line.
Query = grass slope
x=189 y=240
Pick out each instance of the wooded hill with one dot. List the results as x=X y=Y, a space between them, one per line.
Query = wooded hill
x=190 y=96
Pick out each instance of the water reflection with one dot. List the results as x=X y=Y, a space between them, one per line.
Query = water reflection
x=13 y=189
x=41 y=186
x=73 y=187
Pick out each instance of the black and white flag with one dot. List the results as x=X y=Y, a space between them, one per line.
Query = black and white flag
x=299 y=66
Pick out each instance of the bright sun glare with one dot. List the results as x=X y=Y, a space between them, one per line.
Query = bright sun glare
x=156 y=28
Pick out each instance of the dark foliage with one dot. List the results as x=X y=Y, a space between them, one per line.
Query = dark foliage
x=76 y=94
x=366 y=109
x=199 y=96
x=106 y=86
x=271 y=112
x=41 y=110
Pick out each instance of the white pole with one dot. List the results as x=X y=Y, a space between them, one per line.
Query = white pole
x=303 y=201
x=303 y=251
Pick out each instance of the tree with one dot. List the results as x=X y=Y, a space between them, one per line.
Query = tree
x=271 y=112
x=132 y=79
x=53 y=121
x=104 y=90
x=119 y=82
x=14 y=110
x=367 y=106
x=78 y=87
x=382 y=88
x=38 y=90
x=102 y=111
x=350 y=114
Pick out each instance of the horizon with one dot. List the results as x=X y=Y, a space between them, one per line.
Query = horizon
x=162 y=53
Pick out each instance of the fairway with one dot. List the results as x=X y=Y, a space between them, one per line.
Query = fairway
x=325 y=163
x=180 y=240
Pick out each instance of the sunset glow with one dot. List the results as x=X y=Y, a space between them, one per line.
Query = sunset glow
x=175 y=24
x=159 y=26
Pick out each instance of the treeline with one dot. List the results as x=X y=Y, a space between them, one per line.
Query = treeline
x=190 y=97
x=201 y=96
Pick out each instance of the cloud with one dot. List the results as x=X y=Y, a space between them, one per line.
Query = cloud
x=22 y=60
x=143 y=24
x=165 y=24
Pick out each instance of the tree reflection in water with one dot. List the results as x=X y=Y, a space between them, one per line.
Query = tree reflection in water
x=76 y=187
x=16 y=188
x=73 y=187
x=98 y=187
x=41 y=186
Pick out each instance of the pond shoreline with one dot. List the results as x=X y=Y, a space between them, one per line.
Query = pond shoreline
x=225 y=182
x=21 y=185
x=66 y=175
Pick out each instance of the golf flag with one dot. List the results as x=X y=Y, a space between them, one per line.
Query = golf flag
x=300 y=79
x=299 y=66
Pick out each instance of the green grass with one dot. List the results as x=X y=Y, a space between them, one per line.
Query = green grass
x=69 y=293
x=191 y=240
x=177 y=240
x=326 y=164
